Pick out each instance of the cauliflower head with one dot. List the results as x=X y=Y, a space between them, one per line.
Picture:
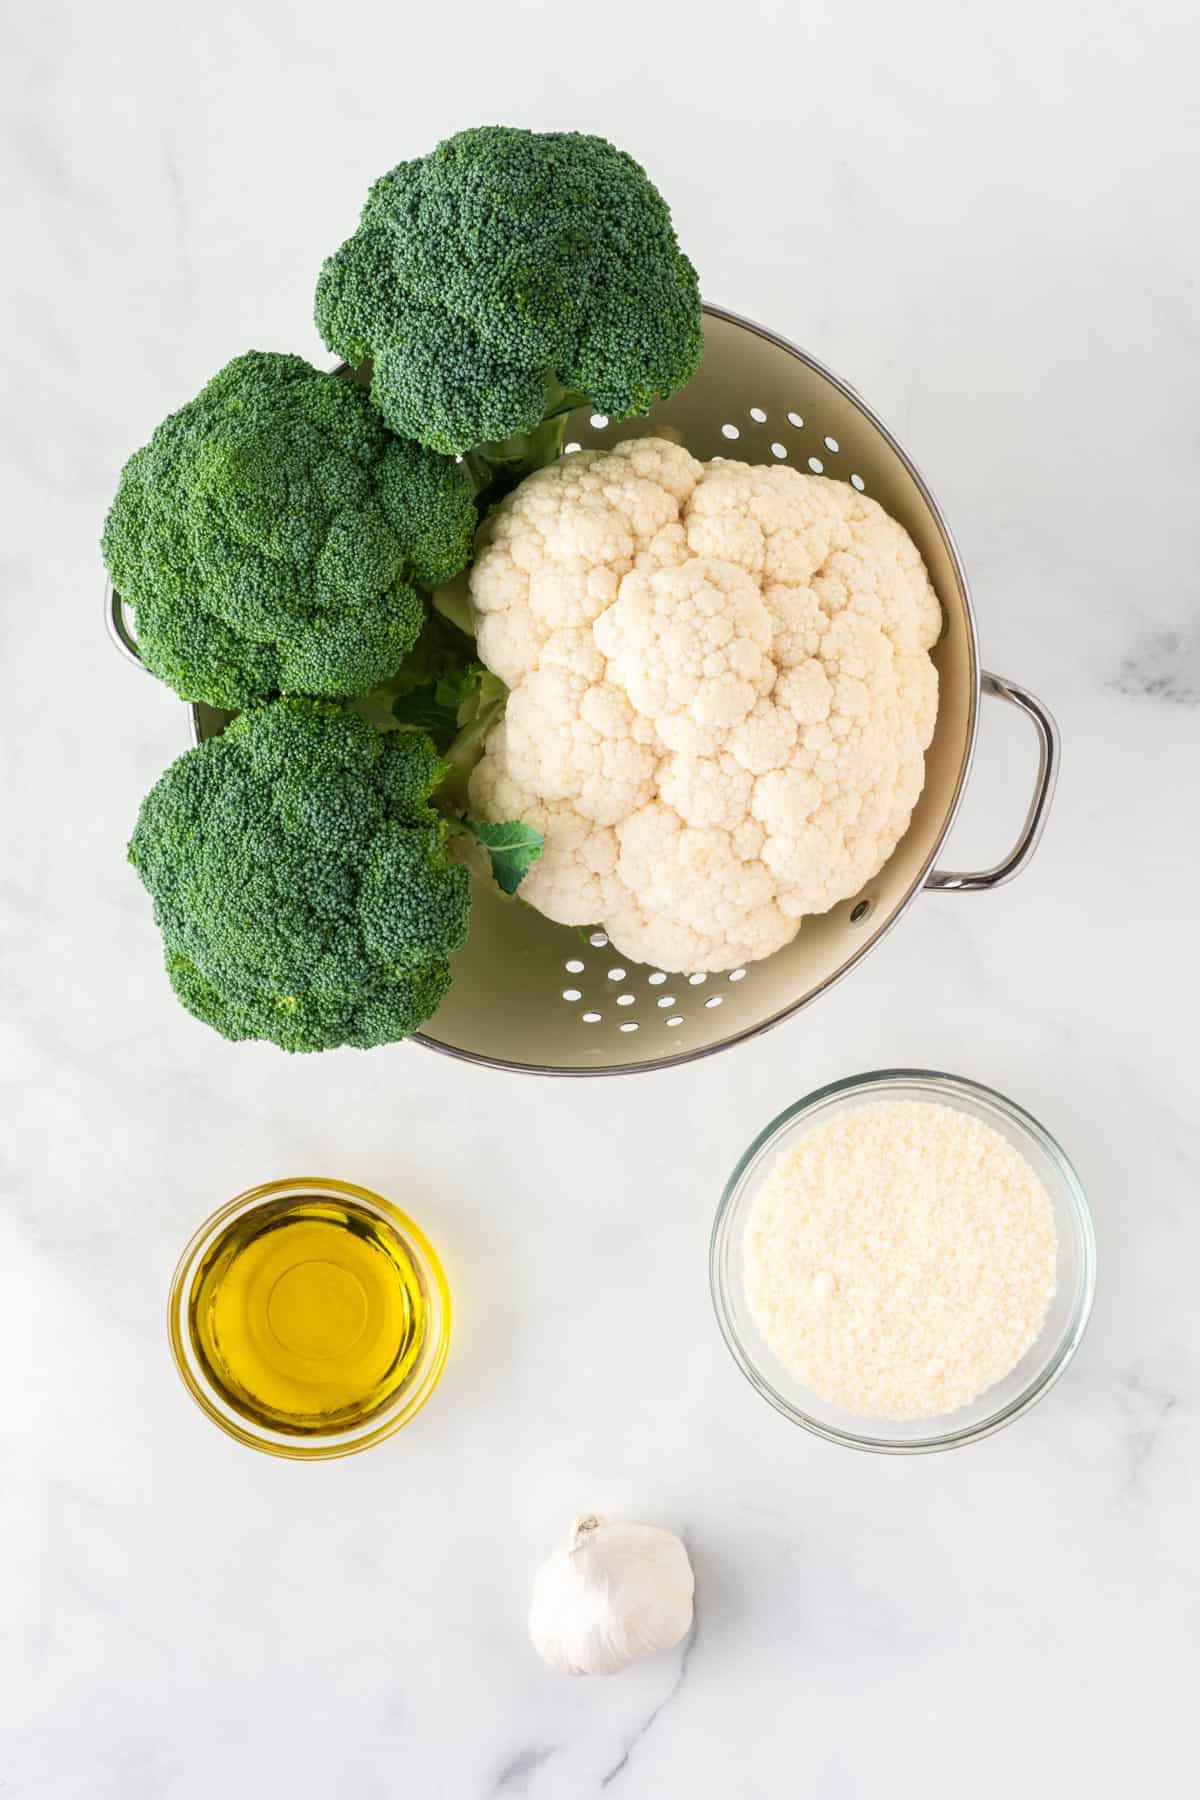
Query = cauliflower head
x=721 y=698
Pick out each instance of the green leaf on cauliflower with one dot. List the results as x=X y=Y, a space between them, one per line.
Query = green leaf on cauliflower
x=512 y=847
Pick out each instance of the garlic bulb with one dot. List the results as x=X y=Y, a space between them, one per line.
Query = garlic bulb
x=616 y=1592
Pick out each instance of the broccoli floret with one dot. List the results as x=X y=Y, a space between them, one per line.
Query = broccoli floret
x=508 y=276
x=300 y=879
x=272 y=538
x=427 y=499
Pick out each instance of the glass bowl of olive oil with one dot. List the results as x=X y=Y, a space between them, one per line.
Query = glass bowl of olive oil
x=310 y=1318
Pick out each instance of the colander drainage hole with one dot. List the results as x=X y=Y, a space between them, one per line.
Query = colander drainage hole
x=616 y=974
x=667 y=1000
x=599 y=421
x=697 y=980
x=570 y=449
x=832 y=444
x=591 y=1018
x=856 y=481
x=737 y=974
x=597 y=938
x=861 y=911
x=625 y=999
x=730 y=431
x=713 y=1000
x=778 y=449
x=816 y=465
x=796 y=420
x=572 y=994
x=675 y=1021
x=657 y=979
x=629 y=1025
x=573 y=966
x=758 y=415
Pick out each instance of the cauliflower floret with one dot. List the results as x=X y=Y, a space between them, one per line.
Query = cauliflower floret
x=556 y=558
x=691 y=648
x=574 y=878
x=568 y=740
x=721 y=698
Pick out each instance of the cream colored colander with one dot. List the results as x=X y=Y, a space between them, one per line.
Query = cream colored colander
x=545 y=999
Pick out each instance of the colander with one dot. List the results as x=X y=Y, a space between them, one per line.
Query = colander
x=545 y=999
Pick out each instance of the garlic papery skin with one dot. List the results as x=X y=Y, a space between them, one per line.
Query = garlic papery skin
x=616 y=1592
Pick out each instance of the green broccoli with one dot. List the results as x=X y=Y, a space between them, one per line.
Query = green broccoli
x=507 y=277
x=271 y=537
x=300 y=878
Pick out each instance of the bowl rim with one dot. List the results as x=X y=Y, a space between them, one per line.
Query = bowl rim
x=945 y=1086
x=404 y=1406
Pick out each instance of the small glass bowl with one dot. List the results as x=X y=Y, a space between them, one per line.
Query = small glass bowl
x=403 y=1405
x=1043 y=1362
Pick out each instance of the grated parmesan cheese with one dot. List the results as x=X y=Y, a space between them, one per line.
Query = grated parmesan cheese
x=900 y=1258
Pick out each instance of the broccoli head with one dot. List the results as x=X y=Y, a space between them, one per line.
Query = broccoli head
x=509 y=275
x=300 y=878
x=273 y=538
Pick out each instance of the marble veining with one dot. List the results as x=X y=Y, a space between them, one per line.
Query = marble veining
x=1149 y=1409
x=520 y=1768
x=1163 y=665
x=984 y=218
x=639 y=1733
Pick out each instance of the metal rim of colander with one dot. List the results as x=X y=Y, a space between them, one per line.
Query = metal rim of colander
x=124 y=642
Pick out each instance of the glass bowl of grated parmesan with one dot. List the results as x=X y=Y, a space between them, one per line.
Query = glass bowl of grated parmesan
x=903 y=1262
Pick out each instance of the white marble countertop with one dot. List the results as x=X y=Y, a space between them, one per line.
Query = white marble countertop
x=984 y=217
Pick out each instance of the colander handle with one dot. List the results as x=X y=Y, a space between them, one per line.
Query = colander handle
x=117 y=620
x=1049 y=755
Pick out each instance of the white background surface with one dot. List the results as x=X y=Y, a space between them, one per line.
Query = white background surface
x=983 y=216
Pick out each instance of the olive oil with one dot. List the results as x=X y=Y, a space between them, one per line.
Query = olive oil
x=308 y=1314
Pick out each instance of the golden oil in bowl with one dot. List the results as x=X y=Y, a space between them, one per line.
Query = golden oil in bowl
x=310 y=1318
x=308 y=1313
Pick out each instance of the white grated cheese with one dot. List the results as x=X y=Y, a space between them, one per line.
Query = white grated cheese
x=900 y=1258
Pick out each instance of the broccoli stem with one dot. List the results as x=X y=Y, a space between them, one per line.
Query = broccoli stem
x=483 y=710
x=497 y=468
x=450 y=600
